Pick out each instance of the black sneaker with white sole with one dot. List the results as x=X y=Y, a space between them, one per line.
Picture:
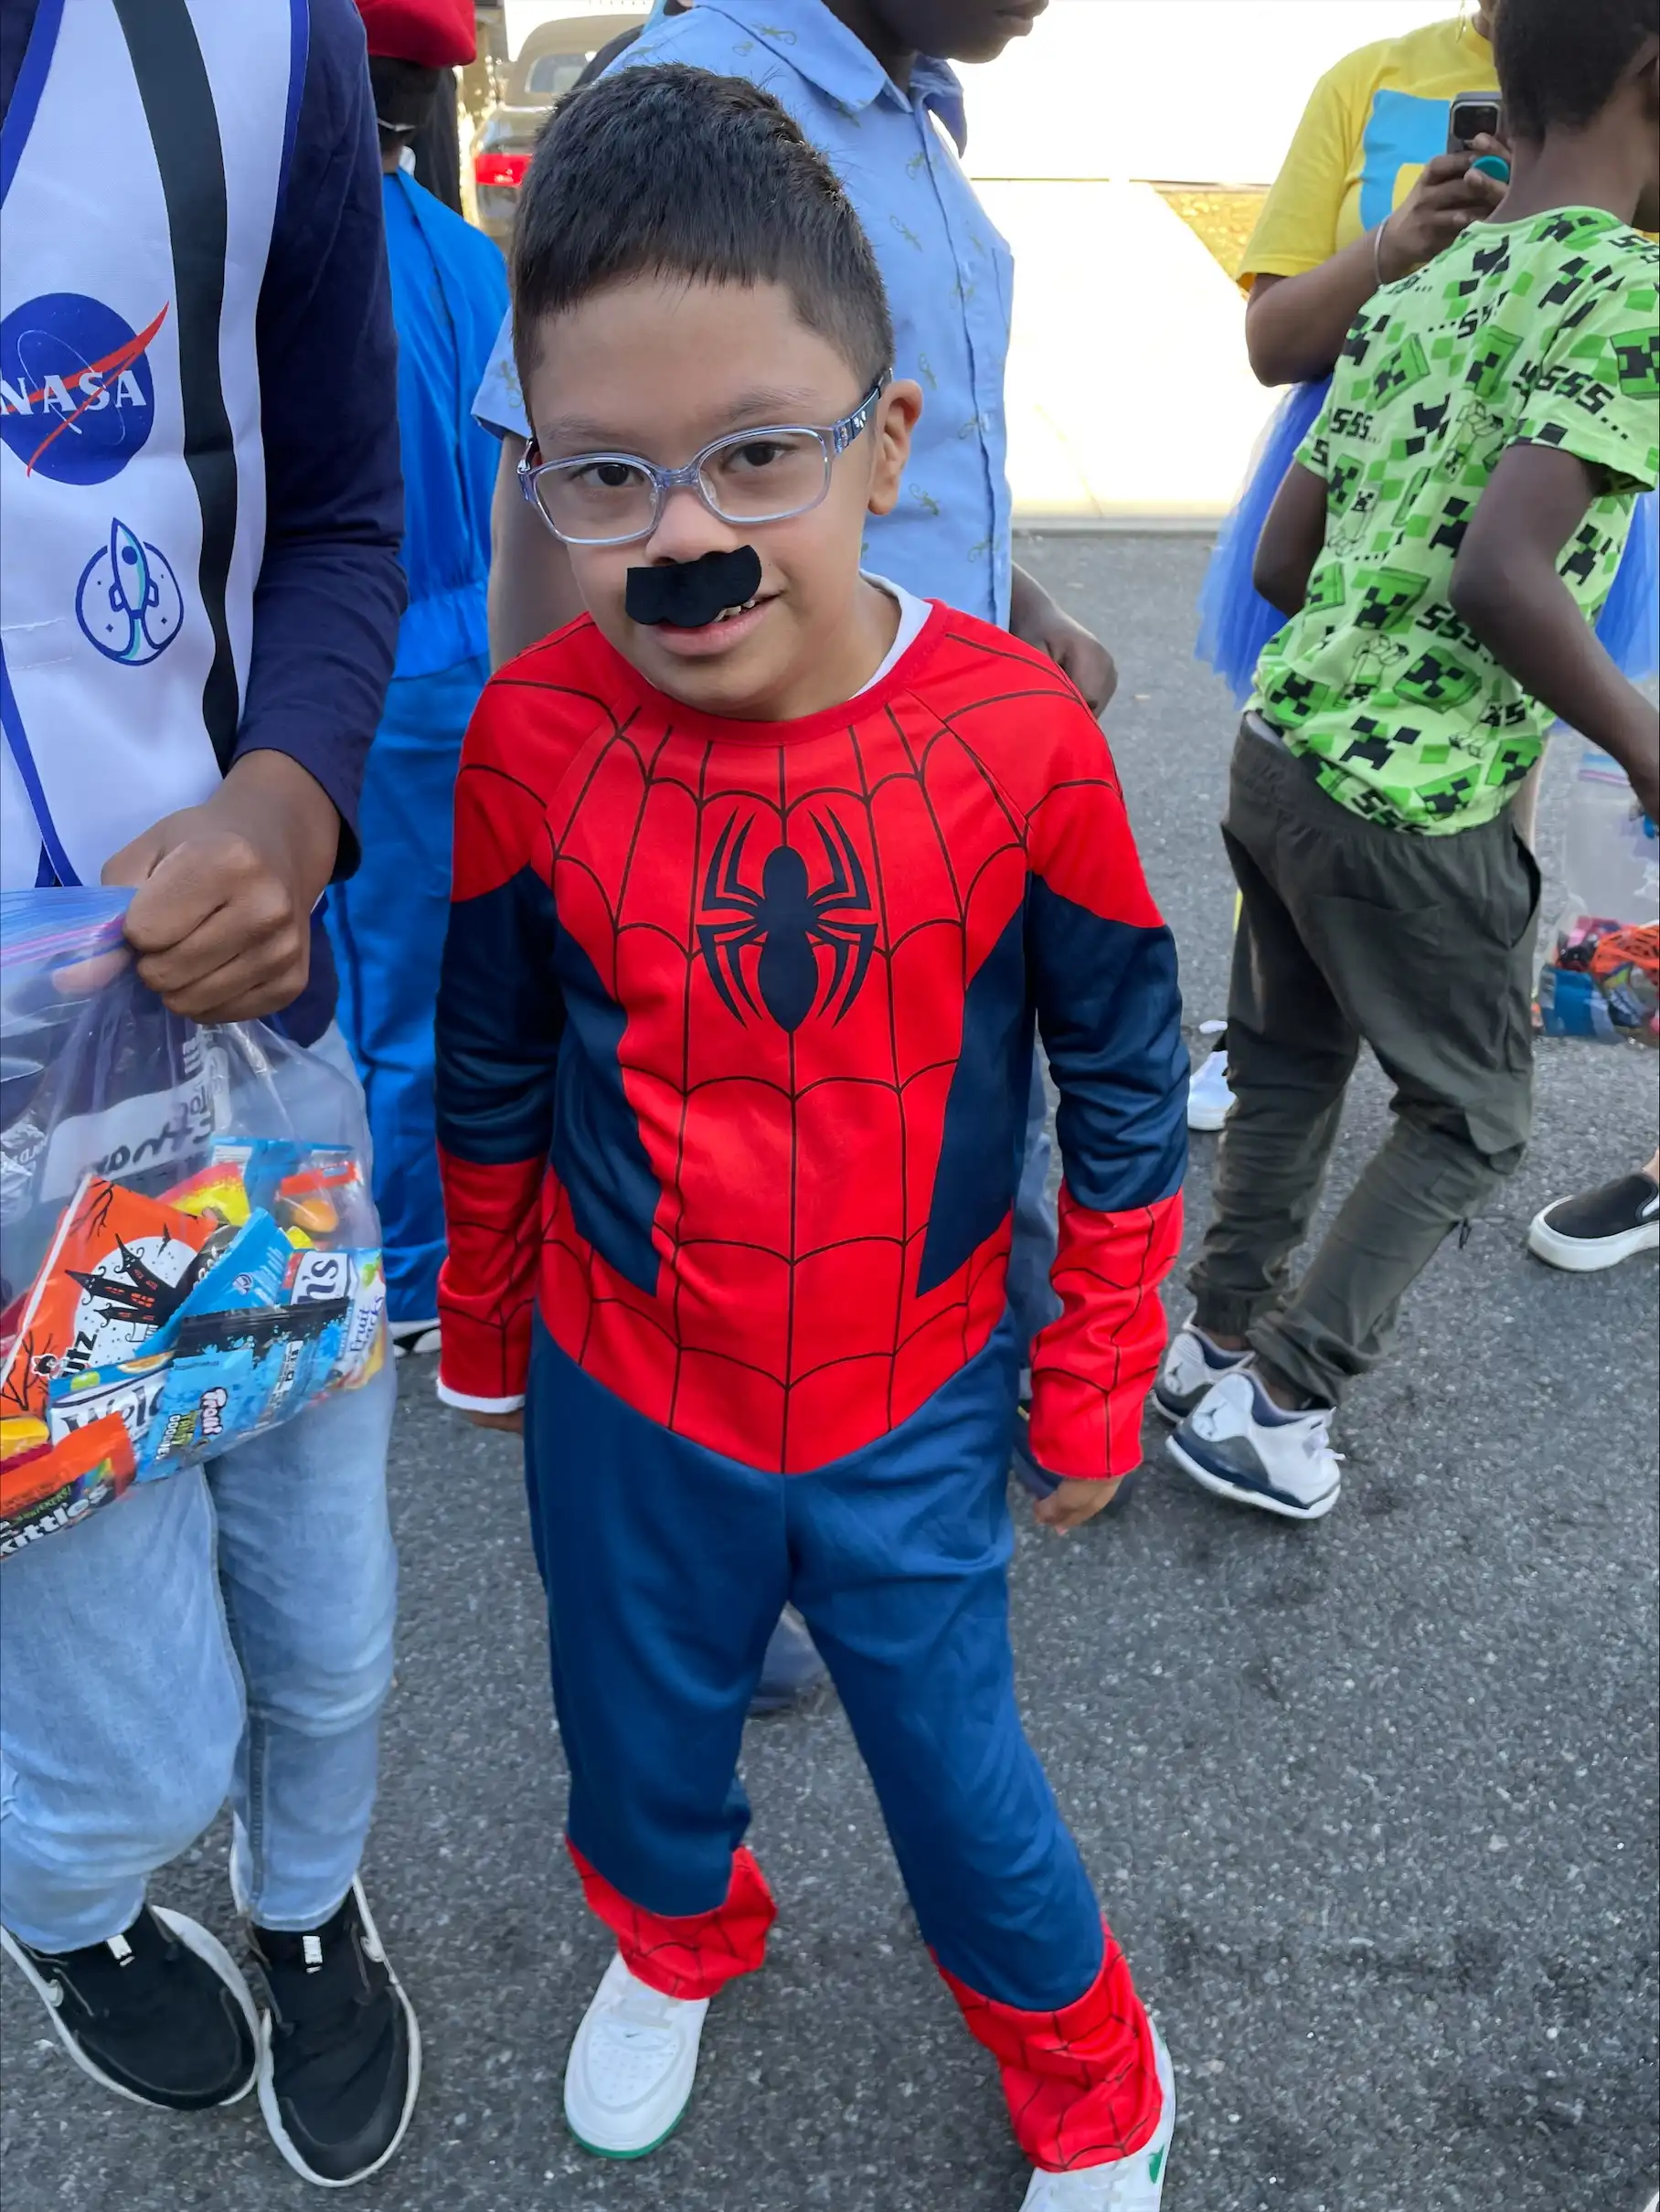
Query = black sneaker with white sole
x=414 y=1339
x=340 y=2054
x=1599 y=1228
x=159 y=2013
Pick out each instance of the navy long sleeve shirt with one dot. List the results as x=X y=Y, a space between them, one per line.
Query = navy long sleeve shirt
x=330 y=592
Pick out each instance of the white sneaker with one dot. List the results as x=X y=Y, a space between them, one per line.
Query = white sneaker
x=1240 y=1444
x=1208 y=1097
x=629 y=2076
x=1191 y=1365
x=1128 y=2184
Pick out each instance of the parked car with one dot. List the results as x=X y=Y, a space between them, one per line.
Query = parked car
x=549 y=62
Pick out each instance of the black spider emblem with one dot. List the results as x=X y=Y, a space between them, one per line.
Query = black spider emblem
x=789 y=921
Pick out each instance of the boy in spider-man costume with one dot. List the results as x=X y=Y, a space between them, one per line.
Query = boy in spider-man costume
x=762 y=873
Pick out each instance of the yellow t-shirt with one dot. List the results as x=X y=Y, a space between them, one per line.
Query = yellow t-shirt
x=1369 y=128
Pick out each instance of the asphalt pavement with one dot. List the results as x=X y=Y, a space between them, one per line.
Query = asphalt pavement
x=1372 y=1805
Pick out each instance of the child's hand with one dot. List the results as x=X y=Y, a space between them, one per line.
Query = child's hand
x=514 y=1422
x=1074 y=1503
x=220 y=917
x=1036 y=620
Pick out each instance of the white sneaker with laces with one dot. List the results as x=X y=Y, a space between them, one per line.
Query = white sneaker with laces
x=1208 y=1097
x=1238 y=1443
x=1191 y=1365
x=1128 y=2184
x=629 y=2076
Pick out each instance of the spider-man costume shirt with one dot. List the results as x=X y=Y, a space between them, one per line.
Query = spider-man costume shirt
x=734 y=1047
x=734 y=1056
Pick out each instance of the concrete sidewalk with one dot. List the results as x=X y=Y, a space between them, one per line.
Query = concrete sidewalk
x=1129 y=392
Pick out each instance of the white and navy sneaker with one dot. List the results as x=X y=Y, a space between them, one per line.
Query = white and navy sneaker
x=1599 y=1228
x=159 y=2013
x=1191 y=1365
x=1209 y=1095
x=629 y=2077
x=1128 y=2184
x=1238 y=1443
x=340 y=2047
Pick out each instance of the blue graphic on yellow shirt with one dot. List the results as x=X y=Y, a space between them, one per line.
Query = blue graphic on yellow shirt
x=129 y=604
x=1402 y=132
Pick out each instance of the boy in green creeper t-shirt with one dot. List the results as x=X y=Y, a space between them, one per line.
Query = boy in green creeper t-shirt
x=1442 y=549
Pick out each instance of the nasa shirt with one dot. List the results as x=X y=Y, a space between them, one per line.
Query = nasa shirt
x=147 y=669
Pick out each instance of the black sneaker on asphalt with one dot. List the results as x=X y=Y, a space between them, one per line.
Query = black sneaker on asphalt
x=414 y=1339
x=1599 y=1228
x=159 y=2013
x=340 y=2056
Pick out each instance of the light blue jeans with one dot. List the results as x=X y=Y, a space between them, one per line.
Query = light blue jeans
x=226 y=1632
x=1031 y=1295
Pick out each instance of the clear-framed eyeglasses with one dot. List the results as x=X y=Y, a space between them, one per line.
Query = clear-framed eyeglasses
x=766 y=475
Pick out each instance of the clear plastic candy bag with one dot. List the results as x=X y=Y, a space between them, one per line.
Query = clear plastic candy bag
x=188 y=1250
x=1601 y=977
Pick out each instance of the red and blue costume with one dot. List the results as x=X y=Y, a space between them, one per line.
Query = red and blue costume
x=734 y=1047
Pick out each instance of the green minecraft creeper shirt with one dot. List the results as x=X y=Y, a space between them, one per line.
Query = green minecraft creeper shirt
x=1545 y=332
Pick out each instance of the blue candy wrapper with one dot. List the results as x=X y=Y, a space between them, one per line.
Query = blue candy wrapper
x=234 y=1374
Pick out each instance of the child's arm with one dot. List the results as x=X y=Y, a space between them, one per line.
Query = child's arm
x=1103 y=976
x=500 y=1016
x=1507 y=588
x=1292 y=539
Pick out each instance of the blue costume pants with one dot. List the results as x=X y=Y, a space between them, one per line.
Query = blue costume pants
x=666 y=1566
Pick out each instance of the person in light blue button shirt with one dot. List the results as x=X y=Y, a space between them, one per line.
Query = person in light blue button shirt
x=885 y=113
x=868 y=99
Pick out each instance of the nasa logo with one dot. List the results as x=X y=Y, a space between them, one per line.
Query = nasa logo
x=76 y=397
x=129 y=604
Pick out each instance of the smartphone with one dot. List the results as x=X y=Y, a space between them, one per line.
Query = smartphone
x=1473 y=115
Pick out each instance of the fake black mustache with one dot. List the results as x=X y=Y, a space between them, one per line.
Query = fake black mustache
x=690 y=593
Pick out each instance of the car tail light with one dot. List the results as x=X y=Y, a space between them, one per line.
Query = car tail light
x=500 y=169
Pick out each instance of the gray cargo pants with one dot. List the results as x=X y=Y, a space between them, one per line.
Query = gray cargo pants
x=1421 y=947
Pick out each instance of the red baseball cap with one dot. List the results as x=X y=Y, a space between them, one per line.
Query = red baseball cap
x=436 y=34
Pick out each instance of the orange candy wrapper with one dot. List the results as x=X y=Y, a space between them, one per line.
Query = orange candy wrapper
x=117 y=1267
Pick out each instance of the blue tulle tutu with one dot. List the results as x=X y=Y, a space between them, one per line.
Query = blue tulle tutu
x=1629 y=625
x=1236 y=622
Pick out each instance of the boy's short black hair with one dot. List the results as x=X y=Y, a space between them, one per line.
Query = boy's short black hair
x=667 y=171
x=1560 y=61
